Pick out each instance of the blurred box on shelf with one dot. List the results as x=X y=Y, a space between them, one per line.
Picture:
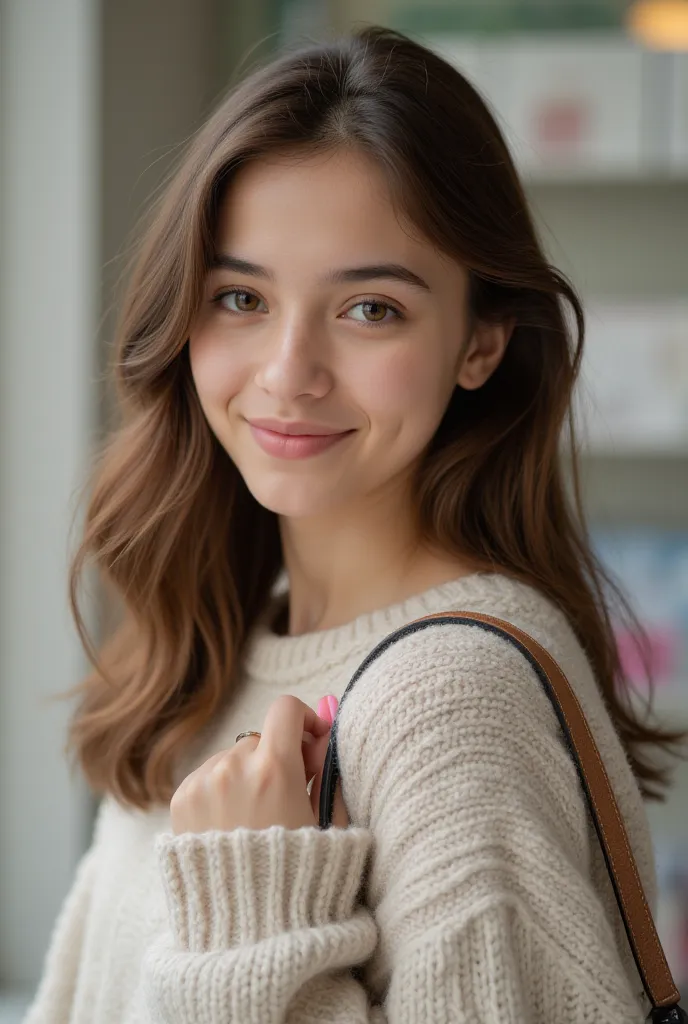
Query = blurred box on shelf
x=651 y=566
x=633 y=392
x=573 y=106
x=576 y=106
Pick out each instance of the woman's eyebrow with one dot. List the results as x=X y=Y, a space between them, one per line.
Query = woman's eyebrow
x=393 y=271
x=389 y=271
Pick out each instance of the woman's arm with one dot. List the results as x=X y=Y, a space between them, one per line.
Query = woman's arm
x=482 y=906
x=261 y=922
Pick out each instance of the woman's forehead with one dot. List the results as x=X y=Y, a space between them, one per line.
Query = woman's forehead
x=334 y=211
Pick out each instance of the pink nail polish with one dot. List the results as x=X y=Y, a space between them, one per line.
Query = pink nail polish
x=324 y=710
x=334 y=704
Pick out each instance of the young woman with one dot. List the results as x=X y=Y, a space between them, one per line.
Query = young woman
x=344 y=366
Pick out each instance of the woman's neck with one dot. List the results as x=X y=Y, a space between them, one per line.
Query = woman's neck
x=339 y=571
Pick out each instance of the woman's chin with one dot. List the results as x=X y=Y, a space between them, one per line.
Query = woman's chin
x=293 y=500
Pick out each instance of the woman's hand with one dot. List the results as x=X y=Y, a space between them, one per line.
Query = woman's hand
x=261 y=782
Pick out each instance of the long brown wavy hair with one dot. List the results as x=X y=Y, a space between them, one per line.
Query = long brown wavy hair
x=170 y=524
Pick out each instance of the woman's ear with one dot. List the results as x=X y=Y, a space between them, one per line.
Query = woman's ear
x=484 y=352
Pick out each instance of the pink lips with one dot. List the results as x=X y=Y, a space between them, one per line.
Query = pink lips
x=293 y=440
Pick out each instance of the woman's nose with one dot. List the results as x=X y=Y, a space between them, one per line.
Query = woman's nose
x=292 y=364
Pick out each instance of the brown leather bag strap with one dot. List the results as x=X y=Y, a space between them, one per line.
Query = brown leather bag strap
x=635 y=912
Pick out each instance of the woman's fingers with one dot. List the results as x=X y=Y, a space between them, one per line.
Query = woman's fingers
x=259 y=782
x=314 y=755
x=285 y=723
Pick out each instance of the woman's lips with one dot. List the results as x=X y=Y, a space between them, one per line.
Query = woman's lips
x=294 y=446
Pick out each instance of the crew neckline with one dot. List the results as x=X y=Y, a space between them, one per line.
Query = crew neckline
x=269 y=653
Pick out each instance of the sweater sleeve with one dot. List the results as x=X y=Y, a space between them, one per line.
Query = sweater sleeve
x=479 y=905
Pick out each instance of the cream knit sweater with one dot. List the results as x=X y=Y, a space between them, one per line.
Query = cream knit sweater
x=470 y=887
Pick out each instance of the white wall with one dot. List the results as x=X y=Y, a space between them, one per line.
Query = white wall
x=49 y=242
x=96 y=99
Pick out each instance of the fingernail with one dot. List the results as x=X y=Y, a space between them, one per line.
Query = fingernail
x=334 y=704
x=324 y=710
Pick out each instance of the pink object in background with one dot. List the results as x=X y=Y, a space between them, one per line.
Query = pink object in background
x=562 y=122
x=664 y=654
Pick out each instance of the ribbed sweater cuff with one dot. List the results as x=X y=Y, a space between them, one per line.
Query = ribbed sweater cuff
x=226 y=889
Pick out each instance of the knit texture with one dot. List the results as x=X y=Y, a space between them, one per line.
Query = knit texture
x=470 y=887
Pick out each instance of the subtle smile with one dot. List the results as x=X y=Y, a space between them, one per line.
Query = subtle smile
x=292 y=441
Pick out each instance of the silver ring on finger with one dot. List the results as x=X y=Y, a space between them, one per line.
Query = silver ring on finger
x=250 y=732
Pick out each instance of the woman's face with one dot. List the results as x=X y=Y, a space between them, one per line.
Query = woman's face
x=326 y=316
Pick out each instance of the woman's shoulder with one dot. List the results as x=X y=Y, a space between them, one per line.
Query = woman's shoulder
x=469 y=648
x=466 y=673
x=504 y=597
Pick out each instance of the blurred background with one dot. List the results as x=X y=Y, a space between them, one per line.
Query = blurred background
x=96 y=99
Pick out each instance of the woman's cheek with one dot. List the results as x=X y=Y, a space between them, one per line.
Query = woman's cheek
x=216 y=372
x=410 y=386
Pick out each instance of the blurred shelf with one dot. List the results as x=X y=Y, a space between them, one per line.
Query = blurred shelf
x=641 y=491
x=670 y=453
x=651 y=180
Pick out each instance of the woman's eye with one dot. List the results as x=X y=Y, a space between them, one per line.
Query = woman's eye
x=238 y=300
x=375 y=312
